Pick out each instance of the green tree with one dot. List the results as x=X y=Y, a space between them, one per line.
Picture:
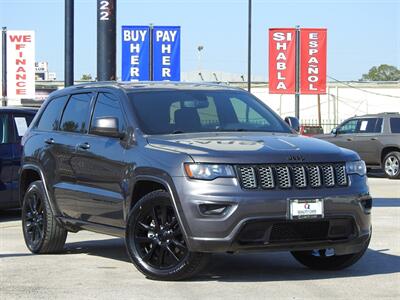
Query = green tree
x=382 y=73
x=86 y=77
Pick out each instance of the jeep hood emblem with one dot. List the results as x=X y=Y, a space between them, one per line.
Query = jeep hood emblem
x=296 y=158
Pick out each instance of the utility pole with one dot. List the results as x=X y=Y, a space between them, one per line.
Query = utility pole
x=69 y=43
x=249 y=49
x=106 y=40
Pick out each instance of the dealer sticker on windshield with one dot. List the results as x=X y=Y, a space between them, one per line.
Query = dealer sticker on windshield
x=306 y=208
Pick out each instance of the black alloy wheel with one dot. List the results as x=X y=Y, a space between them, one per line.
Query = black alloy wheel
x=33 y=220
x=155 y=241
x=159 y=238
x=42 y=232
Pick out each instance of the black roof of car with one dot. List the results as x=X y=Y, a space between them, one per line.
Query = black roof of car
x=147 y=85
x=19 y=109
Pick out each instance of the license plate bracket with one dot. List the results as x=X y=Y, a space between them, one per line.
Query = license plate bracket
x=306 y=209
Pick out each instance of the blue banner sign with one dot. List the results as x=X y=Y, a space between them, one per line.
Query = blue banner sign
x=166 y=53
x=135 y=53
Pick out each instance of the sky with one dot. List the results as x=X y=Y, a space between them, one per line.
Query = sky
x=361 y=34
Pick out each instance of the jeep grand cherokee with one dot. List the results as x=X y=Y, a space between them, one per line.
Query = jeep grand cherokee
x=185 y=170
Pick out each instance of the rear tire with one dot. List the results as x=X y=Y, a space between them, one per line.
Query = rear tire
x=155 y=241
x=323 y=262
x=42 y=232
x=391 y=165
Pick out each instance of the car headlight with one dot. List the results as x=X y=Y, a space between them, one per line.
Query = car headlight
x=356 y=167
x=208 y=171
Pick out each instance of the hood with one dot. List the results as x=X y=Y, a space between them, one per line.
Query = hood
x=249 y=148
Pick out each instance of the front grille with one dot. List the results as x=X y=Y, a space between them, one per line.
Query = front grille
x=301 y=231
x=262 y=232
x=341 y=177
x=292 y=176
x=248 y=178
x=266 y=178
x=283 y=176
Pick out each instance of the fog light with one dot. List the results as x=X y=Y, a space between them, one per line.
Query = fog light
x=213 y=209
x=367 y=204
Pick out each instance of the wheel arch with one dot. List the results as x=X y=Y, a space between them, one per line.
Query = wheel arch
x=145 y=183
x=28 y=174
x=387 y=150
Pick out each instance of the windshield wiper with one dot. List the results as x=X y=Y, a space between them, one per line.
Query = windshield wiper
x=232 y=129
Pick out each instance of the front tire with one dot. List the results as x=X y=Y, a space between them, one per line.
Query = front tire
x=155 y=242
x=391 y=165
x=42 y=232
x=321 y=260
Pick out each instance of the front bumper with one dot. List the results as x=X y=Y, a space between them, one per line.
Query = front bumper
x=269 y=209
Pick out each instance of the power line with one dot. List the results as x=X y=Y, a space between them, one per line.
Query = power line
x=363 y=90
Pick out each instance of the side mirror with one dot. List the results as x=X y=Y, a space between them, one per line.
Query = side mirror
x=106 y=126
x=293 y=122
x=334 y=131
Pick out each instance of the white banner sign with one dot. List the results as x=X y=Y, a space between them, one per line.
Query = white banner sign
x=20 y=64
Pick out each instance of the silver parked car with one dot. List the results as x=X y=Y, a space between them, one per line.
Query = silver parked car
x=376 y=138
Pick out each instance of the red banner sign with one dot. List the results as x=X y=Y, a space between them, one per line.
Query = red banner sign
x=282 y=52
x=313 y=61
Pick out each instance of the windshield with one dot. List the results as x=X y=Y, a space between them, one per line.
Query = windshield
x=184 y=111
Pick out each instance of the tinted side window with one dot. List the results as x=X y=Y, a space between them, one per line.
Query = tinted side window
x=395 y=125
x=75 y=114
x=367 y=125
x=378 y=126
x=50 y=118
x=348 y=127
x=107 y=105
x=4 y=132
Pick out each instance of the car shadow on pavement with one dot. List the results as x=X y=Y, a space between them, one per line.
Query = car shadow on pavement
x=109 y=248
x=283 y=267
x=10 y=215
x=275 y=266
x=378 y=173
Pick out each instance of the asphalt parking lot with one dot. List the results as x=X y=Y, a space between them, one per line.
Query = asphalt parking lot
x=96 y=266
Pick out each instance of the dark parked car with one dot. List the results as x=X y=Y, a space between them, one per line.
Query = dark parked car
x=13 y=124
x=184 y=170
x=376 y=138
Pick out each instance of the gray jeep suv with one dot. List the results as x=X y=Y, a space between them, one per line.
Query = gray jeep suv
x=185 y=170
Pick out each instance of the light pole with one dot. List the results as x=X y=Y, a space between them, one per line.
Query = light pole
x=199 y=49
x=249 y=49
x=69 y=43
x=106 y=40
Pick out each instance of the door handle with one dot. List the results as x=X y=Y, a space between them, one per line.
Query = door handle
x=49 y=141
x=374 y=139
x=349 y=139
x=84 y=146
